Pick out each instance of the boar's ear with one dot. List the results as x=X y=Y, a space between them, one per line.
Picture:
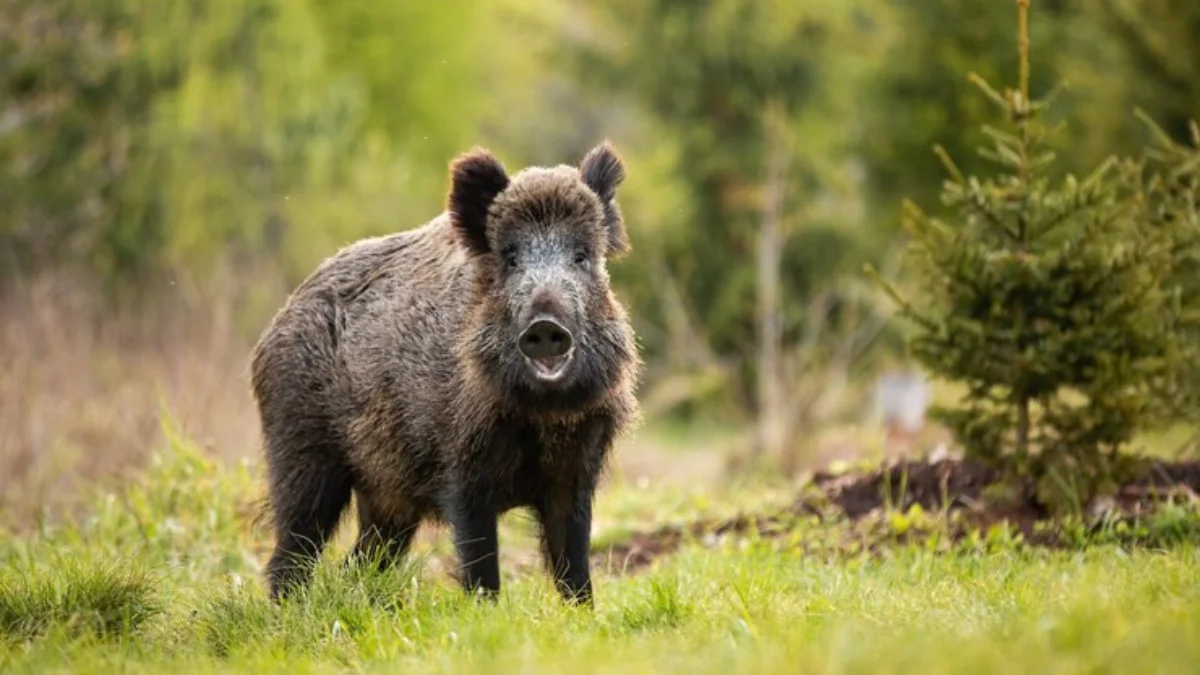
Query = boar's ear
x=476 y=177
x=602 y=170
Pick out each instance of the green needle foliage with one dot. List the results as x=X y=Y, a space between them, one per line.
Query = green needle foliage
x=1171 y=195
x=1066 y=308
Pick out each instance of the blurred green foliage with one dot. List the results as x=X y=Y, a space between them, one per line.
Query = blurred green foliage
x=143 y=139
x=241 y=141
x=706 y=77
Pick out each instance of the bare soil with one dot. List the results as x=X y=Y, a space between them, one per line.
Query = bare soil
x=966 y=495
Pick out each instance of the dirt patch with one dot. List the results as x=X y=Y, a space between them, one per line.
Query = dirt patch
x=962 y=498
x=949 y=483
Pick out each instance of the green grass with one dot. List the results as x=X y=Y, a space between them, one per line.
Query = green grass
x=165 y=577
x=103 y=599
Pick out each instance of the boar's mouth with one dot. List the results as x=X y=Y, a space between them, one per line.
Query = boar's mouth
x=547 y=347
x=550 y=369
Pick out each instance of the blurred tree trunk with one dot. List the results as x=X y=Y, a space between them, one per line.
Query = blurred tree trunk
x=772 y=425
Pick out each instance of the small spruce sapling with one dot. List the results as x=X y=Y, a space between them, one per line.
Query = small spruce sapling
x=1057 y=306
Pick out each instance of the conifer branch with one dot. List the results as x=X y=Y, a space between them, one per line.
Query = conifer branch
x=949 y=164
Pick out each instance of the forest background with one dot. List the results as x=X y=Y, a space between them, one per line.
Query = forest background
x=169 y=171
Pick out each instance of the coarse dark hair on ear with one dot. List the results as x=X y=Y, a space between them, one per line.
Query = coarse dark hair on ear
x=602 y=170
x=476 y=178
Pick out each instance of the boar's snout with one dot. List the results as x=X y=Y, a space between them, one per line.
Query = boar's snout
x=545 y=338
x=546 y=345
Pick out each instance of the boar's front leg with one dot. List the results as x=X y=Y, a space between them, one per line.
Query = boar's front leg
x=566 y=544
x=477 y=545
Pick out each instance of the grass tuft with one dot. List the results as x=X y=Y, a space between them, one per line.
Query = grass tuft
x=662 y=606
x=106 y=600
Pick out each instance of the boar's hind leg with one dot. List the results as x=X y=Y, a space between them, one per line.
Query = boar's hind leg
x=308 y=498
x=382 y=539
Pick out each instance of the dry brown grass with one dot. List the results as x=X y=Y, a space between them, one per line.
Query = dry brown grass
x=81 y=389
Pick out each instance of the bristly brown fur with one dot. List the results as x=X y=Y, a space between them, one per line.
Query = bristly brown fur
x=392 y=374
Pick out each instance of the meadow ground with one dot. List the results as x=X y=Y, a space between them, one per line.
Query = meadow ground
x=164 y=576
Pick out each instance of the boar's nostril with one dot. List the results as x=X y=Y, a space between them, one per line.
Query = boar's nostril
x=544 y=339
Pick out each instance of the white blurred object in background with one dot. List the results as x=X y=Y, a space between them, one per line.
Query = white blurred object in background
x=901 y=399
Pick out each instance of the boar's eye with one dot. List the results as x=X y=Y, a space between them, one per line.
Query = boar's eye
x=581 y=257
x=510 y=258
